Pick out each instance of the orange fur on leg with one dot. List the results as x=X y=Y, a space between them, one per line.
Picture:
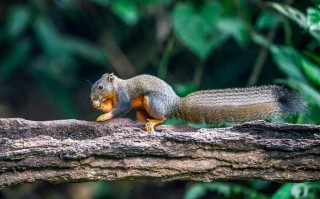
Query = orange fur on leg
x=146 y=106
x=151 y=122
x=142 y=115
x=137 y=102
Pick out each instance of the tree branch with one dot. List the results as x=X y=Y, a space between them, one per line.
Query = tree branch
x=120 y=149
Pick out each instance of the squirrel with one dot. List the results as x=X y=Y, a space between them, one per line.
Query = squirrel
x=155 y=101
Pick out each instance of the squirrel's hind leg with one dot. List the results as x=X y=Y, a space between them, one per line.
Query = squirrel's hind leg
x=142 y=115
x=155 y=108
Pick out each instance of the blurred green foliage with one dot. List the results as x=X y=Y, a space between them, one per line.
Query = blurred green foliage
x=224 y=190
x=302 y=73
x=203 y=28
x=308 y=190
x=50 y=48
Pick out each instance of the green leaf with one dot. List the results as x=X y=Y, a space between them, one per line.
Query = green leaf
x=236 y=28
x=196 y=191
x=292 y=13
x=15 y=59
x=103 y=190
x=305 y=190
x=84 y=49
x=284 y=192
x=200 y=189
x=104 y=3
x=267 y=20
x=260 y=39
x=227 y=190
x=61 y=48
x=259 y=184
x=197 y=28
x=313 y=15
x=60 y=96
x=311 y=21
x=300 y=190
x=312 y=71
x=126 y=10
x=18 y=20
x=3 y=34
x=312 y=56
x=48 y=37
x=310 y=93
x=54 y=87
x=289 y=61
x=184 y=89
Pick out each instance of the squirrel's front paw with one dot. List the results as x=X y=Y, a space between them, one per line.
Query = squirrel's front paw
x=96 y=104
x=104 y=117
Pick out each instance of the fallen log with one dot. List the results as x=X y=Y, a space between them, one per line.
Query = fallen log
x=120 y=149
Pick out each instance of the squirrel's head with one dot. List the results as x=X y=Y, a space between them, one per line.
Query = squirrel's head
x=103 y=87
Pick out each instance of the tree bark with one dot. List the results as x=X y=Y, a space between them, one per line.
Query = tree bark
x=120 y=149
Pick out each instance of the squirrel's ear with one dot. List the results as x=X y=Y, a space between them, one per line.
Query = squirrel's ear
x=110 y=77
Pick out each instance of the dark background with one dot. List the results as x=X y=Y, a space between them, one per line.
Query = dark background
x=53 y=51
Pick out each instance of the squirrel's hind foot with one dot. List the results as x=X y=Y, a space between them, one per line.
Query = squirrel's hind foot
x=152 y=123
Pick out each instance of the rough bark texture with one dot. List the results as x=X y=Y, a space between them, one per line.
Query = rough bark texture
x=120 y=149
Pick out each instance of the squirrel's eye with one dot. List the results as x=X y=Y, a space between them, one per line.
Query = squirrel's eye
x=100 y=87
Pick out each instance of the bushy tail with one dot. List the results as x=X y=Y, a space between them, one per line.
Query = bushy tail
x=238 y=105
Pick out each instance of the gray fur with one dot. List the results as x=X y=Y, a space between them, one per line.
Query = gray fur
x=239 y=104
x=208 y=106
